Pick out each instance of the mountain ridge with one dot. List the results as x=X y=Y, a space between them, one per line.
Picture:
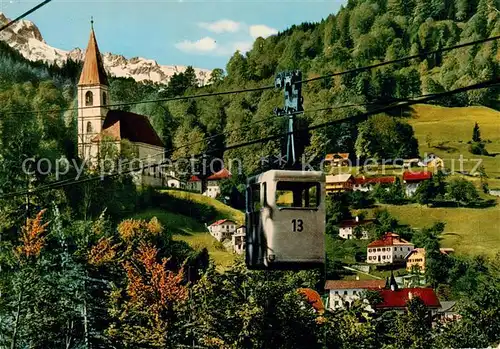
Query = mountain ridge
x=26 y=38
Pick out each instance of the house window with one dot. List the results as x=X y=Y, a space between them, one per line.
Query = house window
x=89 y=127
x=89 y=98
x=383 y=257
x=378 y=249
x=337 y=293
x=345 y=293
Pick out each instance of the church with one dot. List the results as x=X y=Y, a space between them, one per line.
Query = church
x=98 y=123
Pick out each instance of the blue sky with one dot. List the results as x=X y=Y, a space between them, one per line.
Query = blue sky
x=173 y=32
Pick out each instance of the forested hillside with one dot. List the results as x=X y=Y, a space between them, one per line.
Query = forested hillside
x=362 y=33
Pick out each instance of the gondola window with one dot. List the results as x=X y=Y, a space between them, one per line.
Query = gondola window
x=297 y=194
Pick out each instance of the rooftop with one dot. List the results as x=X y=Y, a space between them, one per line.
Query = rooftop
x=340 y=178
x=222 y=174
x=416 y=176
x=93 y=72
x=399 y=298
x=221 y=221
x=389 y=239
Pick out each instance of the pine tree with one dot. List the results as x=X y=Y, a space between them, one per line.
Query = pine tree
x=476 y=134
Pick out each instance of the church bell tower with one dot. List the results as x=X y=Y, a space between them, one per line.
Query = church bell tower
x=93 y=100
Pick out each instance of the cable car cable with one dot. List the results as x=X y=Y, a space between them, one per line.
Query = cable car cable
x=30 y=11
x=264 y=88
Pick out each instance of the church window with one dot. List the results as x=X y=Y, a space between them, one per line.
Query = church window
x=104 y=99
x=89 y=98
x=89 y=127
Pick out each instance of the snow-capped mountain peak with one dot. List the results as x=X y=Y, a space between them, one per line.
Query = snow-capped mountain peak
x=25 y=37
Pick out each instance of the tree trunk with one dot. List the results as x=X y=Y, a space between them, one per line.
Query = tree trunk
x=17 y=319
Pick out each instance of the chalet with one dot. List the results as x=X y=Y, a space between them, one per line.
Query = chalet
x=390 y=249
x=222 y=229
x=367 y=184
x=342 y=293
x=412 y=180
x=339 y=183
x=238 y=240
x=338 y=159
x=213 y=189
x=347 y=227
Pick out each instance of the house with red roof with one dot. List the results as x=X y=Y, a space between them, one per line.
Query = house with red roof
x=397 y=299
x=194 y=184
x=347 y=228
x=390 y=249
x=412 y=180
x=367 y=184
x=342 y=293
x=213 y=188
x=222 y=229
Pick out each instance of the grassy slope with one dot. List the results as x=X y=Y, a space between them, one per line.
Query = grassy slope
x=193 y=232
x=224 y=211
x=451 y=128
x=468 y=231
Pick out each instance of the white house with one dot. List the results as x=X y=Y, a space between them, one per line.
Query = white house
x=213 y=183
x=412 y=180
x=222 y=229
x=172 y=181
x=342 y=293
x=239 y=240
x=347 y=227
x=388 y=250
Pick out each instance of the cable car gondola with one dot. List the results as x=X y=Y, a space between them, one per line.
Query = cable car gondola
x=285 y=220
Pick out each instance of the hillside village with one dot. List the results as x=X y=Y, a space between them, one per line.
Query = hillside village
x=156 y=256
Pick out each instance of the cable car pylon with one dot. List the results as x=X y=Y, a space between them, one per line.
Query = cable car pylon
x=285 y=208
x=291 y=83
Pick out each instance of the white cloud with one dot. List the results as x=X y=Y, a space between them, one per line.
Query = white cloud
x=242 y=46
x=203 y=45
x=261 y=30
x=222 y=26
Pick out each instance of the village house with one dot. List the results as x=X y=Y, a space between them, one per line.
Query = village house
x=339 y=183
x=213 y=189
x=412 y=180
x=367 y=184
x=415 y=259
x=97 y=123
x=342 y=293
x=172 y=181
x=390 y=249
x=338 y=159
x=222 y=229
x=347 y=228
x=432 y=161
x=194 y=184
x=396 y=299
x=238 y=240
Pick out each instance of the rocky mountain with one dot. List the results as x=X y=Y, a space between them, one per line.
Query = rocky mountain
x=25 y=37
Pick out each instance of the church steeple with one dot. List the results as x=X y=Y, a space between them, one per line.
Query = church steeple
x=93 y=72
x=93 y=100
x=393 y=283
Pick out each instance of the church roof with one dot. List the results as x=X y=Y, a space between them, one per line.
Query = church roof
x=93 y=72
x=120 y=125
